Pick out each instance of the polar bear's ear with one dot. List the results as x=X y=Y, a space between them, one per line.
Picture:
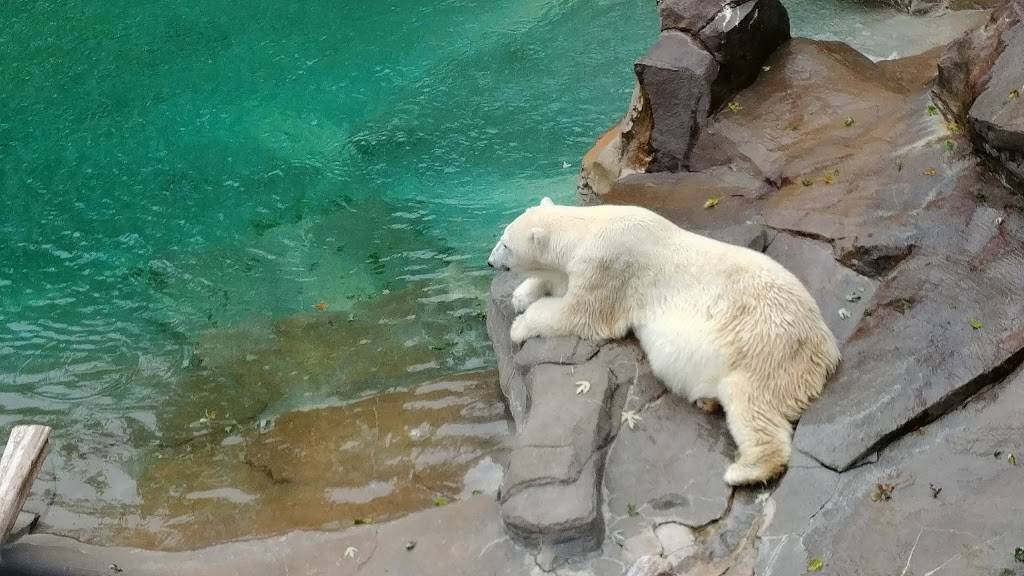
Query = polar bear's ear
x=538 y=236
x=545 y=201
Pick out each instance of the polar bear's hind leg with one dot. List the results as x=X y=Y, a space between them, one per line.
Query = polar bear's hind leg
x=762 y=434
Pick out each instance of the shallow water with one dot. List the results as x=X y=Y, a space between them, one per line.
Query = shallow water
x=220 y=212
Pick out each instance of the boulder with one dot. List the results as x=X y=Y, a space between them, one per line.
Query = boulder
x=675 y=78
x=943 y=500
x=996 y=118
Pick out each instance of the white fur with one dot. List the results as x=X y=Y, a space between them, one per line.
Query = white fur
x=716 y=321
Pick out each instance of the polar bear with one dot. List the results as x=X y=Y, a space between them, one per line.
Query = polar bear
x=717 y=322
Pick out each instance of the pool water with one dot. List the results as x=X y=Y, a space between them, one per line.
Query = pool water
x=216 y=212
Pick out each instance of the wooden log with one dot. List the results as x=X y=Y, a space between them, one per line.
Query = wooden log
x=22 y=459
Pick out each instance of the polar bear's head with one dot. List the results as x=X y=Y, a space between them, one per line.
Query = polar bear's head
x=523 y=244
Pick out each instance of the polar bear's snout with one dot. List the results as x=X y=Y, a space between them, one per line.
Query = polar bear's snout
x=500 y=257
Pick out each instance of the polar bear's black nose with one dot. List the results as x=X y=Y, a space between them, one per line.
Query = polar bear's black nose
x=491 y=264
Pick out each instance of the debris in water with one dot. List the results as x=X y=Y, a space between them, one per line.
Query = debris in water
x=935 y=490
x=351 y=552
x=711 y=202
x=320 y=306
x=735 y=106
x=848 y=122
x=929 y=171
x=440 y=501
x=410 y=544
x=975 y=323
x=582 y=387
x=844 y=314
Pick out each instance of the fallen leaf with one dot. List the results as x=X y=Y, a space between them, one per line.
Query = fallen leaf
x=1011 y=459
x=815 y=565
x=1018 y=554
x=566 y=164
x=765 y=68
x=735 y=106
x=477 y=492
x=932 y=110
x=115 y=568
x=936 y=490
x=361 y=521
x=975 y=323
x=848 y=122
x=631 y=510
x=953 y=127
x=1014 y=94
x=631 y=418
x=440 y=501
x=807 y=182
x=844 y=314
x=950 y=145
x=582 y=387
x=320 y=306
x=351 y=552
x=882 y=492
x=853 y=297
x=929 y=172
x=711 y=202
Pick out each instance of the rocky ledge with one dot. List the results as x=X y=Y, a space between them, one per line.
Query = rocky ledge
x=893 y=190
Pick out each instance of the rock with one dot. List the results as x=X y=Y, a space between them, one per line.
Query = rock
x=499 y=318
x=670 y=468
x=740 y=38
x=462 y=538
x=568 y=515
x=623 y=149
x=952 y=337
x=996 y=118
x=841 y=293
x=650 y=566
x=681 y=197
x=966 y=65
x=953 y=501
x=675 y=79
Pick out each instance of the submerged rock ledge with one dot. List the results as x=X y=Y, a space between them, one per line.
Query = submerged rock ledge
x=893 y=190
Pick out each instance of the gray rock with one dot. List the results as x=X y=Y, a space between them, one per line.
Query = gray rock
x=841 y=293
x=996 y=118
x=561 y=350
x=461 y=538
x=669 y=469
x=559 y=514
x=965 y=66
x=946 y=324
x=500 y=315
x=650 y=566
x=945 y=498
x=740 y=38
x=675 y=76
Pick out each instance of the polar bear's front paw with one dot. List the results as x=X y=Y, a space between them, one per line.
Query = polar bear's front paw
x=531 y=290
x=520 y=331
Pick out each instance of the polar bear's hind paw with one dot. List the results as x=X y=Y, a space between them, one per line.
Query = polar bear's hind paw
x=745 y=474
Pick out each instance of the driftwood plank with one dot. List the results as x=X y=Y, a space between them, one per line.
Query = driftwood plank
x=22 y=459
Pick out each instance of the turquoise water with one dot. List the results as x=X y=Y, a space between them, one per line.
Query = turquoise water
x=185 y=183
